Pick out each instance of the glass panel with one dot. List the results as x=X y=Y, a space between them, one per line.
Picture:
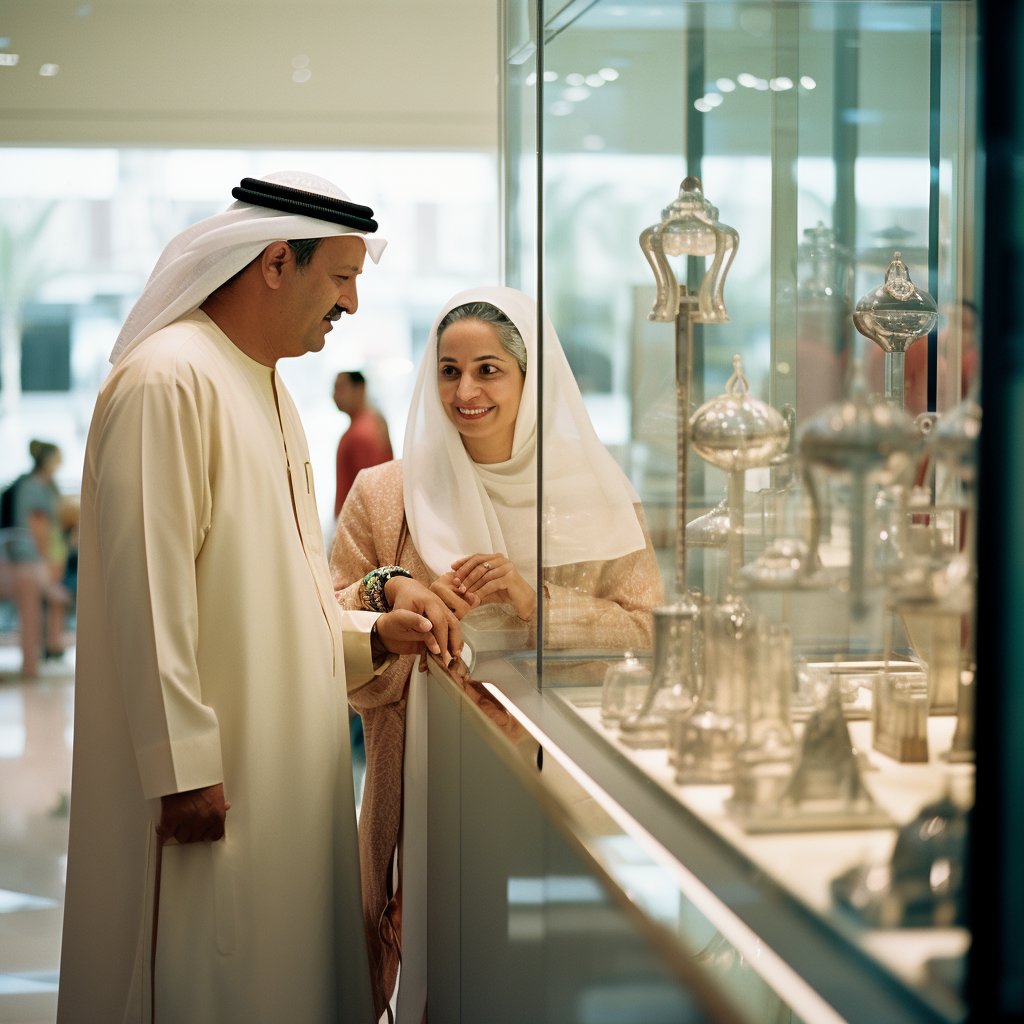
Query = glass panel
x=519 y=142
x=803 y=670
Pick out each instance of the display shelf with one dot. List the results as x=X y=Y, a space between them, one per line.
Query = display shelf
x=806 y=862
x=852 y=976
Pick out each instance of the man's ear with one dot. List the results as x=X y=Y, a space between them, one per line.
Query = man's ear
x=275 y=259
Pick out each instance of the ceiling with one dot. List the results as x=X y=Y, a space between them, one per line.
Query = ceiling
x=252 y=73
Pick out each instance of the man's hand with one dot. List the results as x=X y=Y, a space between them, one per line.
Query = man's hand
x=418 y=620
x=460 y=603
x=196 y=816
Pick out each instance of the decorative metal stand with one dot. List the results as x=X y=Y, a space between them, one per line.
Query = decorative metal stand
x=689 y=227
x=825 y=791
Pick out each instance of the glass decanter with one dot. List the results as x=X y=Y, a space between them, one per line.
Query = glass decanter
x=625 y=686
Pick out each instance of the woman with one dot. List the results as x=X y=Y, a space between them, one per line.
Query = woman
x=36 y=557
x=458 y=513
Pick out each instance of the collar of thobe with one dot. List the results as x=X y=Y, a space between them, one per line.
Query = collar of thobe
x=277 y=207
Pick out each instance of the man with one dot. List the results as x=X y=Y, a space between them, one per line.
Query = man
x=366 y=442
x=213 y=872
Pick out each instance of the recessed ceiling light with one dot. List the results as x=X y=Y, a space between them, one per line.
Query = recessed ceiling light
x=808 y=83
x=302 y=75
x=8 y=60
x=713 y=99
x=781 y=84
x=550 y=76
x=576 y=94
x=703 y=106
x=574 y=79
x=299 y=62
x=531 y=78
x=561 y=107
x=608 y=74
x=49 y=70
x=594 y=81
x=747 y=81
x=725 y=85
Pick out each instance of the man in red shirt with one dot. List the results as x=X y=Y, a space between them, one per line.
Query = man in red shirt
x=366 y=442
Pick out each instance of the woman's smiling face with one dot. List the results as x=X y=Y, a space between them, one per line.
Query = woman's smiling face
x=480 y=385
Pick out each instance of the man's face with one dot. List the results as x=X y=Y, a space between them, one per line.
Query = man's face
x=324 y=288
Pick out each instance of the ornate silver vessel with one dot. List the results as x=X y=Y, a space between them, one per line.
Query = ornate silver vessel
x=894 y=316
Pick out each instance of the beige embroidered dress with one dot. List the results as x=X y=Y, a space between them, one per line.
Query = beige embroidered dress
x=587 y=604
x=211 y=649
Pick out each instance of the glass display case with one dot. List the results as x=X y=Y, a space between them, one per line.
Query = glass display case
x=752 y=228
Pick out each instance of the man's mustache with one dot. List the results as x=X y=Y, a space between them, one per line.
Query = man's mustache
x=334 y=314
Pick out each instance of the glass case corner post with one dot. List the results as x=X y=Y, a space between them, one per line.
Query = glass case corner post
x=689 y=226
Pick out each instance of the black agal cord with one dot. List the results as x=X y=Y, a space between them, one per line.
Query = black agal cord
x=309 y=204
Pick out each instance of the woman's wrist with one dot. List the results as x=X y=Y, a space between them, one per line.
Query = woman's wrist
x=372 y=592
x=527 y=609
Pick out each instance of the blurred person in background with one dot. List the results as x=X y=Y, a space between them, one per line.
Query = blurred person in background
x=36 y=556
x=366 y=442
x=69 y=514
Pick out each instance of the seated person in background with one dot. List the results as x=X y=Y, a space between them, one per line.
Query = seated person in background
x=366 y=442
x=458 y=513
x=36 y=557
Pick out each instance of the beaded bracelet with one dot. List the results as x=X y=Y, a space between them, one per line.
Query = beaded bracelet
x=372 y=588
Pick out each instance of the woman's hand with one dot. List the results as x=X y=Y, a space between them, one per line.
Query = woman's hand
x=494 y=580
x=460 y=603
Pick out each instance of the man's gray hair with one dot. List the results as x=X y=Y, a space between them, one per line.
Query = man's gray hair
x=304 y=248
x=508 y=334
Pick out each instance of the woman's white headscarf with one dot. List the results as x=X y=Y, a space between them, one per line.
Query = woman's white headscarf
x=456 y=507
x=199 y=260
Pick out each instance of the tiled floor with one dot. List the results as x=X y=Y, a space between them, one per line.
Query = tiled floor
x=36 y=719
x=35 y=780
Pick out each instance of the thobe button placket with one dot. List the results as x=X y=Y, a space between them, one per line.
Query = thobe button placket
x=298 y=523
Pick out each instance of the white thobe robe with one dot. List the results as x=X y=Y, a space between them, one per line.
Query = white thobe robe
x=210 y=649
